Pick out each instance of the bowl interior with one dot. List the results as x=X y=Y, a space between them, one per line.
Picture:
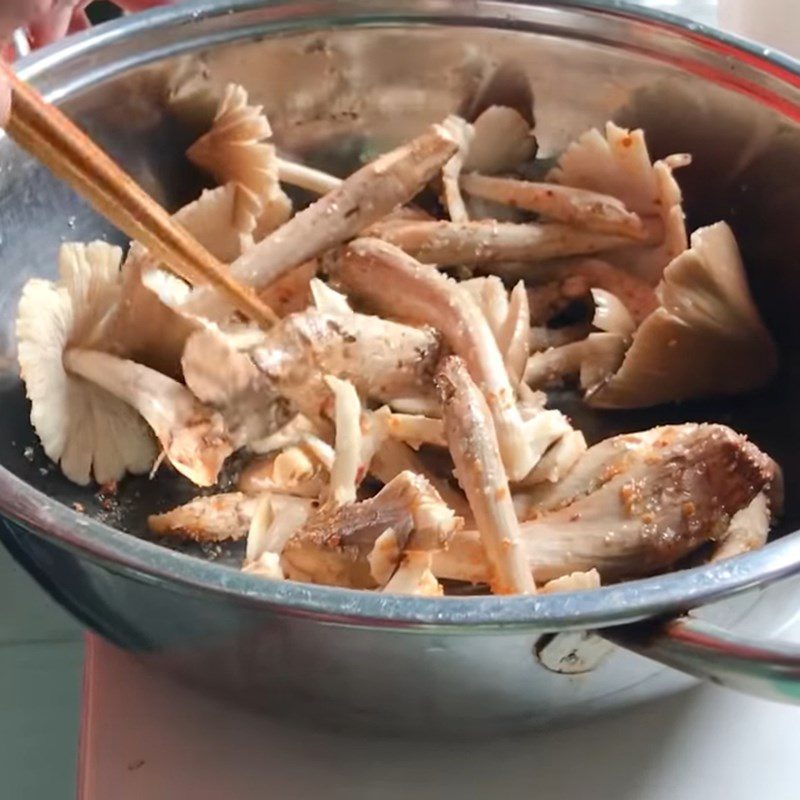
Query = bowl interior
x=337 y=95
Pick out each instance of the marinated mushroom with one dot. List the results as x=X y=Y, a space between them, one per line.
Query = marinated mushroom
x=387 y=435
x=659 y=496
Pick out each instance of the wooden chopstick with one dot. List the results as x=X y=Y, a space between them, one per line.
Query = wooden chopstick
x=49 y=136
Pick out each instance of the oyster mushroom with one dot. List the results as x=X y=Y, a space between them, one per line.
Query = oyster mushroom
x=194 y=437
x=488 y=241
x=473 y=445
x=706 y=337
x=593 y=359
x=618 y=164
x=362 y=199
x=640 y=504
x=333 y=546
x=234 y=151
x=399 y=285
x=88 y=431
x=579 y=207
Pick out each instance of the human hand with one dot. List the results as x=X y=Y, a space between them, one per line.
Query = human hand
x=47 y=21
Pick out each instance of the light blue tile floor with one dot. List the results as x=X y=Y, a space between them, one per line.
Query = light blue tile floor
x=41 y=659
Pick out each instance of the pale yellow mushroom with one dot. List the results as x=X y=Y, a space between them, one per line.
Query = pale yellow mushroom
x=235 y=152
x=88 y=431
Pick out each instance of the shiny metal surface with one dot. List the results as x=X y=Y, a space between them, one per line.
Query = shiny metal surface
x=338 y=83
x=770 y=670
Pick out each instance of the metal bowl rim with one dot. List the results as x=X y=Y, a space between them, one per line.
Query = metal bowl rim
x=37 y=513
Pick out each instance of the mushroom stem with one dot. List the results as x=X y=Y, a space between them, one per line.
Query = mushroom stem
x=579 y=207
x=347 y=415
x=593 y=359
x=362 y=199
x=308 y=178
x=382 y=359
x=473 y=444
x=194 y=437
x=487 y=241
x=397 y=284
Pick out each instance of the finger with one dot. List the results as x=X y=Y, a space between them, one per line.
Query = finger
x=5 y=100
x=51 y=26
x=79 y=22
x=140 y=5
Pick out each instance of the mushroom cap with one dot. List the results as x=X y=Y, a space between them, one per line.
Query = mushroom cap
x=81 y=426
x=705 y=339
x=619 y=164
x=215 y=220
x=234 y=151
x=502 y=140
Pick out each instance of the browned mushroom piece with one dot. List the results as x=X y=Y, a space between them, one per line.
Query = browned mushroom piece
x=333 y=546
x=476 y=454
x=748 y=529
x=578 y=207
x=637 y=504
x=397 y=284
x=488 y=241
x=383 y=359
x=706 y=337
x=216 y=518
x=362 y=199
x=574 y=582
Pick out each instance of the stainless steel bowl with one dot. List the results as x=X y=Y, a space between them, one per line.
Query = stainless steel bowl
x=341 y=79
